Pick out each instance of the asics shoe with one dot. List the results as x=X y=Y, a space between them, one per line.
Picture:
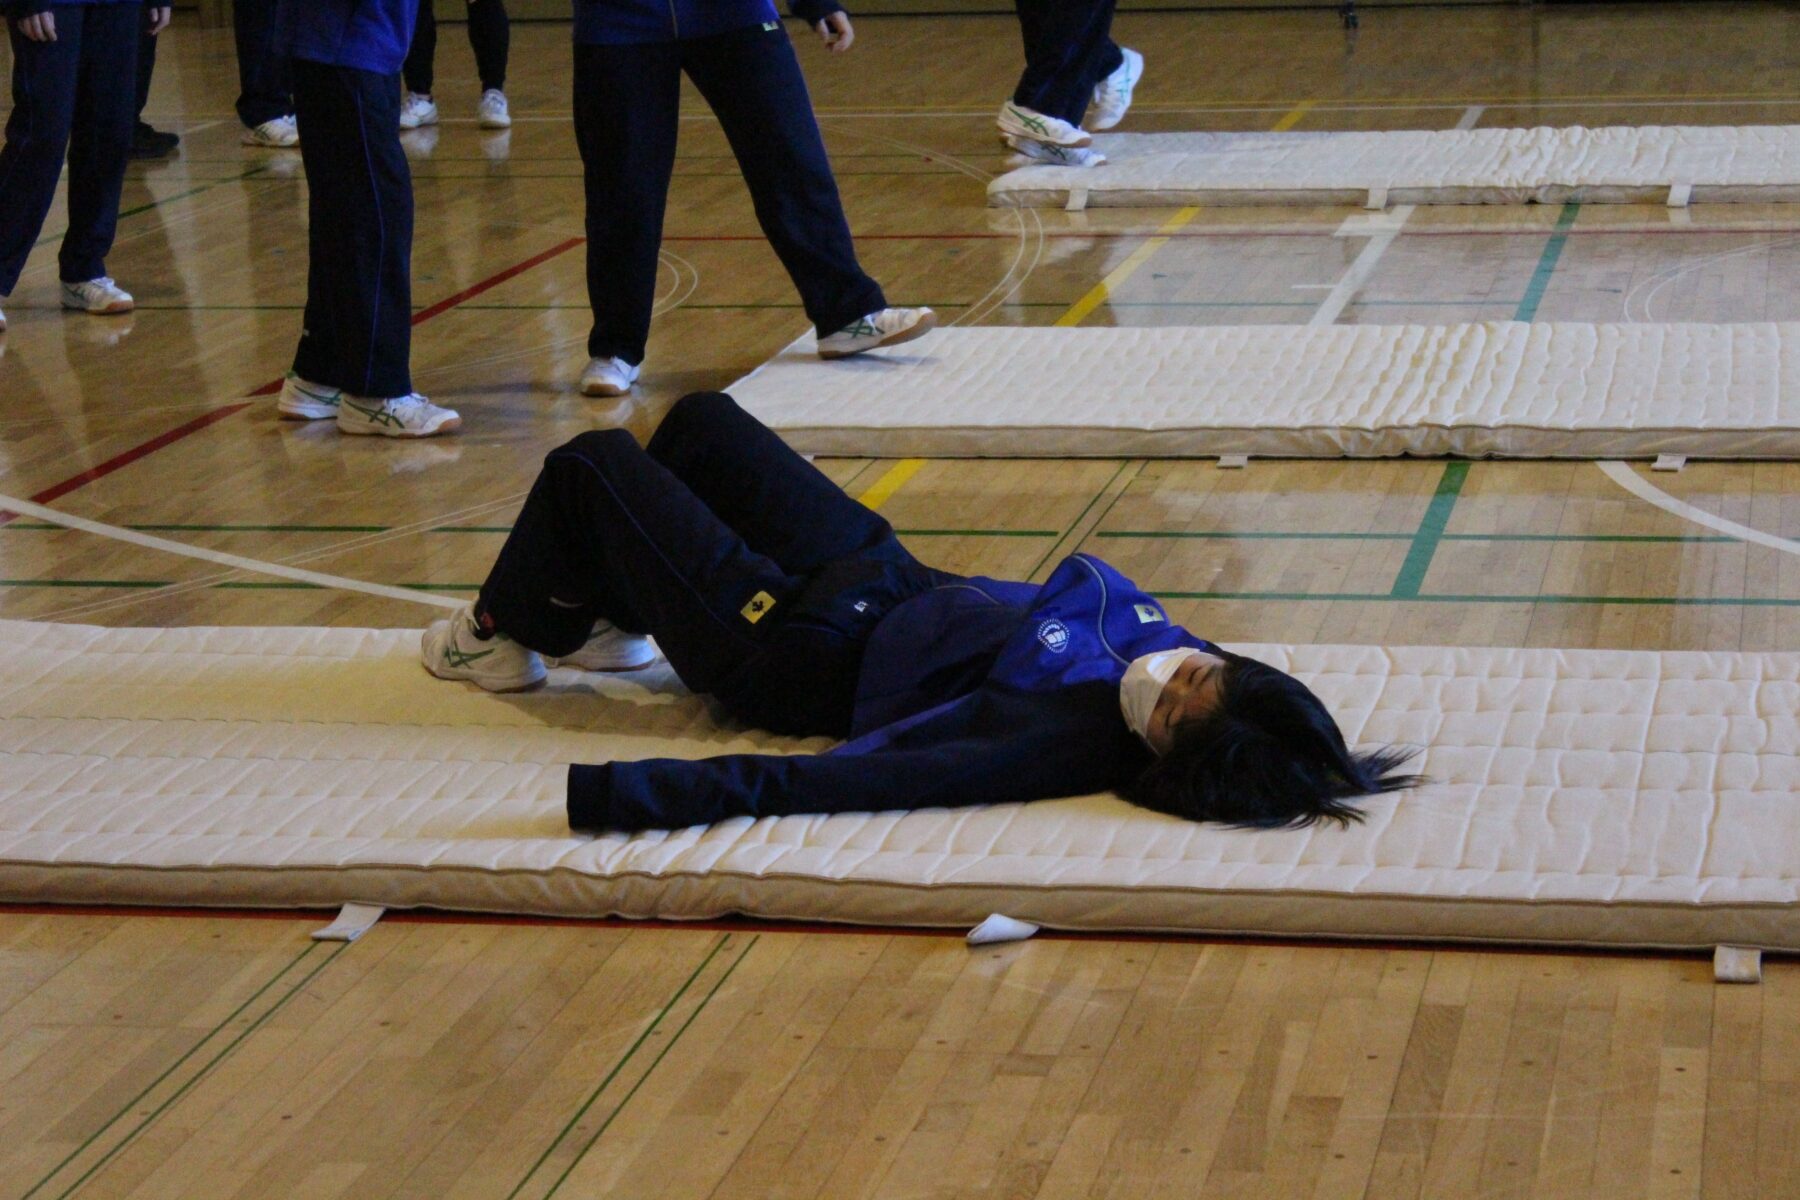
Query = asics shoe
x=610 y=648
x=416 y=110
x=1039 y=127
x=608 y=377
x=1112 y=95
x=492 y=112
x=1054 y=156
x=282 y=133
x=450 y=649
x=889 y=327
x=402 y=417
x=100 y=296
x=303 y=401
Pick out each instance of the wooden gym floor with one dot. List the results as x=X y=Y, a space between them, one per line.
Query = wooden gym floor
x=164 y=1055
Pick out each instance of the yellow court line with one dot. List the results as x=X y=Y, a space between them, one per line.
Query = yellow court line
x=1294 y=116
x=877 y=493
x=1103 y=290
x=1240 y=104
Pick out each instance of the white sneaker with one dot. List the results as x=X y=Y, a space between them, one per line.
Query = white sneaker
x=608 y=377
x=610 y=648
x=402 y=417
x=1028 y=123
x=492 y=112
x=1055 y=156
x=450 y=649
x=100 y=296
x=1112 y=95
x=889 y=327
x=282 y=133
x=417 y=109
x=2 y=322
x=303 y=401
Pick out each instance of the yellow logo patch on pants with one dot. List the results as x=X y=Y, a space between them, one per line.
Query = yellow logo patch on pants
x=758 y=608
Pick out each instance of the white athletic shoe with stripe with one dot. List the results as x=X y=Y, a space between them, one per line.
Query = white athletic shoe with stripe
x=492 y=112
x=417 y=109
x=1112 y=95
x=402 y=417
x=281 y=133
x=1029 y=123
x=100 y=296
x=608 y=377
x=303 y=401
x=610 y=648
x=1053 y=156
x=889 y=327
x=450 y=649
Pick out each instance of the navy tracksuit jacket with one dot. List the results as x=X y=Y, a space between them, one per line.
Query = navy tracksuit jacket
x=976 y=691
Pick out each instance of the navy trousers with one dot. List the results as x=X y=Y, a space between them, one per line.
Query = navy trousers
x=490 y=36
x=74 y=94
x=358 y=326
x=627 y=113
x=760 y=579
x=1068 y=50
x=265 y=75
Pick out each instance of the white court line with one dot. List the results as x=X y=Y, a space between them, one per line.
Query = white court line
x=1622 y=474
x=1471 y=116
x=26 y=508
x=1334 y=304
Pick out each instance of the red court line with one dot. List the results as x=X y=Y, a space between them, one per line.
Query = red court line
x=120 y=461
x=1202 y=234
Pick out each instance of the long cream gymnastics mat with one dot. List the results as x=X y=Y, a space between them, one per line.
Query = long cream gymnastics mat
x=1550 y=390
x=1590 y=797
x=1677 y=165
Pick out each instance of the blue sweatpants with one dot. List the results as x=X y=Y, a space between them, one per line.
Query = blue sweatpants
x=77 y=93
x=759 y=577
x=1068 y=50
x=627 y=114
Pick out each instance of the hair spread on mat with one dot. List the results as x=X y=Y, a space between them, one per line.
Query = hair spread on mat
x=1270 y=756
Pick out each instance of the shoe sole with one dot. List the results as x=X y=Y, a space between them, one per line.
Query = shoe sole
x=606 y=669
x=526 y=686
x=114 y=309
x=306 y=412
x=917 y=329
x=487 y=124
x=1082 y=138
x=362 y=430
x=608 y=390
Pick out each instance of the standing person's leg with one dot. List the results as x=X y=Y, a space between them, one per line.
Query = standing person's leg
x=44 y=76
x=1068 y=49
x=99 y=146
x=265 y=76
x=421 y=57
x=754 y=85
x=146 y=141
x=627 y=117
x=490 y=36
x=780 y=504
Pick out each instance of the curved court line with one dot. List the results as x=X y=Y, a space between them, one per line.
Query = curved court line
x=1622 y=474
x=1645 y=293
x=236 y=561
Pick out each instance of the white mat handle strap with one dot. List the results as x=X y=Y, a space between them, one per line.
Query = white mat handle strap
x=1078 y=196
x=1680 y=194
x=1737 y=964
x=353 y=920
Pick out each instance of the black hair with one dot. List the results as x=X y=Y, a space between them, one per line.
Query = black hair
x=1269 y=756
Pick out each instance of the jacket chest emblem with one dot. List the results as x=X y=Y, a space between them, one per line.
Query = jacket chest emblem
x=1054 y=635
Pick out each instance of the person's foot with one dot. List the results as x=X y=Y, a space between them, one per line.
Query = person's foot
x=1039 y=127
x=889 y=327
x=418 y=109
x=1055 y=156
x=492 y=112
x=608 y=377
x=1112 y=95
x=303 y=401
x=610 y=648
x=280 y=133
x=401 y=417
x=2 y=322
x=147 y=142
x=453 y=649
x=101 y=296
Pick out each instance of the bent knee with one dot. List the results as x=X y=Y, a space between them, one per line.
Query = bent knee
x=693 y=412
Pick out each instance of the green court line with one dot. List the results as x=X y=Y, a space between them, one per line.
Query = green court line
x=617 y=1067
x=1079 y=516
x=1251 y=535
x=144 y=208
x=1447 y=598
x=656 y=1062
x=181 y=1091
x=1000 y=533
x=1540 y=278
x=1431 y=530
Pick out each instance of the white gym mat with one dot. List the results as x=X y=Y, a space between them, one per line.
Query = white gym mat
x=1675 y=164
x=1593 y=797
x=1510 y=388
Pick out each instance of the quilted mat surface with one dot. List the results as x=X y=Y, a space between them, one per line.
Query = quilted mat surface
x=1580 y=797
x=1503 y=388
x=1617 y=164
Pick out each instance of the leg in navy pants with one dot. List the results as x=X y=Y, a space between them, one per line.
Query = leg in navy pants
x=627 y=110
x=490 y=36
x=1068 y=50
x=708 y=540
x=77 y=94
x=358 y=325
x=265 y=76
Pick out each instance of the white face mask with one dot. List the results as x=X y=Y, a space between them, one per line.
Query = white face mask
x=1143 y=685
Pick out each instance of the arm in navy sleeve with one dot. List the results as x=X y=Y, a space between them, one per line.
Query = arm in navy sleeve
x=1001 y=752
